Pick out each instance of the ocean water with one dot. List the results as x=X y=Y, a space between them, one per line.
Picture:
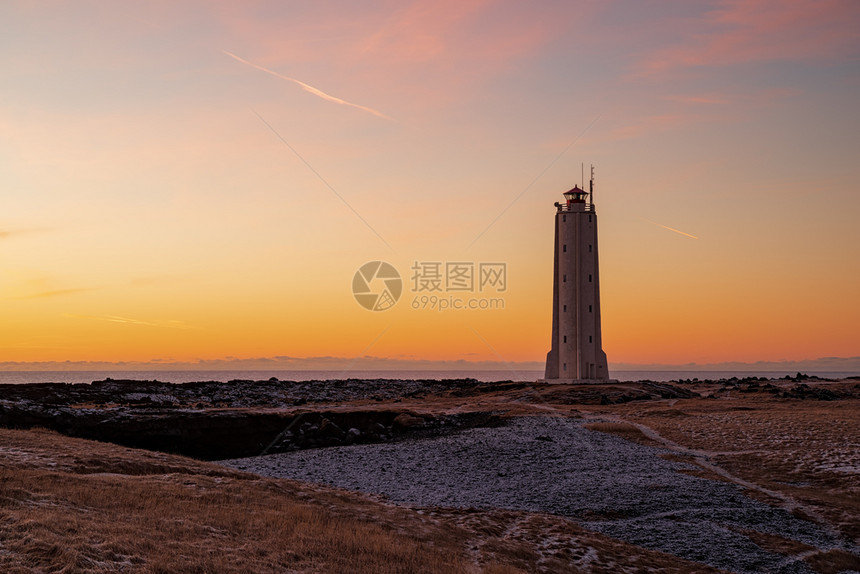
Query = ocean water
x=187 y=376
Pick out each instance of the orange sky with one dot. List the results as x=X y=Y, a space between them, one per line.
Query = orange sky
x=161 y=200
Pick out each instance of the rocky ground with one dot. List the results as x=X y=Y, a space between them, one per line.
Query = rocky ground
x=85 y=507
x=745 y=475
x=214 y=420
x=554 y=465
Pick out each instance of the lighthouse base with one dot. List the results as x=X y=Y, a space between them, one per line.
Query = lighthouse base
x=578 y=381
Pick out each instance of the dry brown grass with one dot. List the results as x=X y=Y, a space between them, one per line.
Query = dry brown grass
x=776 y=543
x=700 y=472
x=75 y=506
x=542 y=543
x=99 y=508
x=194 y=524
x=626 y=431
x=833 y=562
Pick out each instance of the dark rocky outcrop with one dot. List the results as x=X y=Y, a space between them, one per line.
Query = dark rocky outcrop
x=221 y=420
x=612 y=394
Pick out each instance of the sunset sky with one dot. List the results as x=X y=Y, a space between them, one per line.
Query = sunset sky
x=197 y=181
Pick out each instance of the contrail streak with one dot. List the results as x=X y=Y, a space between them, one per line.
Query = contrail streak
x=529 y=186
x=322 y=179
x=308 y=88
x=669 y=228
x=172 y=323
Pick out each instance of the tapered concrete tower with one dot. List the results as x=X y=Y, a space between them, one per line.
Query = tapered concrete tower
x=577 y=350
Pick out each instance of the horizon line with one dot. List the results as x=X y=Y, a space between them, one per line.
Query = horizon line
x=370 y=363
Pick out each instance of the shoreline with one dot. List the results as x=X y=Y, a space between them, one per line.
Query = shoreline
x=225 y=376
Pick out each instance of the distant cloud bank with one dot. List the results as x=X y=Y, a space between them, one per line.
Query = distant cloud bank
x=370 y=363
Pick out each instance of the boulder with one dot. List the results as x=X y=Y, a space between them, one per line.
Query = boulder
x=330 y=429
x=407 y=421
x=352 y=435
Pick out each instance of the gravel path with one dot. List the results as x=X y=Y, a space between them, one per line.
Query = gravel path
x=554 y=465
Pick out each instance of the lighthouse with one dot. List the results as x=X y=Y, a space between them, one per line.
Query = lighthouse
x=577 y=350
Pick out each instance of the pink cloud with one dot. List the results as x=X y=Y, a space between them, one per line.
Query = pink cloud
x=756 y=98
x=422 y=32
x=705 y=99
x=685 y=111
x=421 y=53
x=650 y=124
x=438 y=53
x=742 y=31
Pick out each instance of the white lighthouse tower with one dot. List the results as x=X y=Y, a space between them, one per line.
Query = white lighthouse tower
x=577 y=350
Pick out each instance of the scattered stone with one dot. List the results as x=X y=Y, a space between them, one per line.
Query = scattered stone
x=406 y=421
x=603 y=482
x=330 y=429
x=353 y=435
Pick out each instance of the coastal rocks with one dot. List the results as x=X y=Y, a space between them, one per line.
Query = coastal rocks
x=330 y=430
x=802 y=391
x=353 y=435
x=272 y=393
x=611 y=393
x=200 y=419
x=406 y=421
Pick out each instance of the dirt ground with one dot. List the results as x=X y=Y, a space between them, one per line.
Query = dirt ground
x=793 y=444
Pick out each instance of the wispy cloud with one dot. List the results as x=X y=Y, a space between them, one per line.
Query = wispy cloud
x=742 y=31
x=307 y=88
x=422 y=31
x=443 y=52
x=53 y=293
x=646 y=125
x=170 y=323
x=117 y=319
x=7 y=233
x=669 y=228
x=425 y=55
x=148 y=280
x=700 y=99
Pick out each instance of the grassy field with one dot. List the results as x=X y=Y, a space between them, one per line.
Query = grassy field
x=76 y=506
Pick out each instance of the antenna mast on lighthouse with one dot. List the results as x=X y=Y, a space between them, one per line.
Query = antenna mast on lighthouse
x=591 y=187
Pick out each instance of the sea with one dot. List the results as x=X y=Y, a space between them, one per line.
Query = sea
x=188 y=376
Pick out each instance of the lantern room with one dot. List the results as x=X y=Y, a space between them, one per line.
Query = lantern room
x=575 y=195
